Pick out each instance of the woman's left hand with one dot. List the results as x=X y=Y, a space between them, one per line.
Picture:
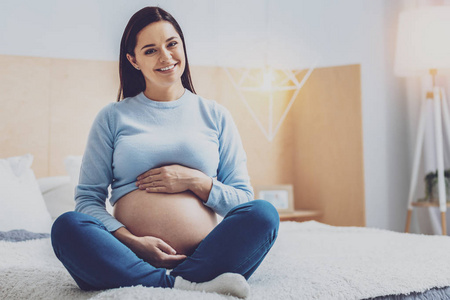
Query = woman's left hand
x=168 y=179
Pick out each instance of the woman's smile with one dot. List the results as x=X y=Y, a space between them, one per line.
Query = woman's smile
x=170 y=69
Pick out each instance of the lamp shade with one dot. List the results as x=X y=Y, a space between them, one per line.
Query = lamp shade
x=423 y=41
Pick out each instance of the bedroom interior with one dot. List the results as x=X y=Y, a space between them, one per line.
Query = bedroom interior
x=346 y=145
x=61 y=115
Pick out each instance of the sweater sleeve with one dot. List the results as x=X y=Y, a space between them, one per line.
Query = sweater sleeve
x=96 y=170
x=232 y=186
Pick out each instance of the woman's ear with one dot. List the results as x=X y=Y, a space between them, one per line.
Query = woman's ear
x=132 y=61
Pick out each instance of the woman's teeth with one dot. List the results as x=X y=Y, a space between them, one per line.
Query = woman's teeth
x=168 y=68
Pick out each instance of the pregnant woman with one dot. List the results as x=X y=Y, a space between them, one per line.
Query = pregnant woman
x=173 y=160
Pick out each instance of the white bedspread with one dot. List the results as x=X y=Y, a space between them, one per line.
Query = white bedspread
x=309 y=261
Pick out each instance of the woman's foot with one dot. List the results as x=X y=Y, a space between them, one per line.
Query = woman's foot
x=228 y=284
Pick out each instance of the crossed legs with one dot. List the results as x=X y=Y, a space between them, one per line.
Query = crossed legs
x=97 y=260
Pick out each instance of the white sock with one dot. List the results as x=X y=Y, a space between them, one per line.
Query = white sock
x=228 y=284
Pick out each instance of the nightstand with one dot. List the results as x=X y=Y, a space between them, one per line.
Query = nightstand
x=301 y=215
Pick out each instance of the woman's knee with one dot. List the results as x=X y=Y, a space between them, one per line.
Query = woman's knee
x=63 y=225
x=60 y=230
x=65 y=221
x=69 y=224
x=265 y=214
x=62 y=222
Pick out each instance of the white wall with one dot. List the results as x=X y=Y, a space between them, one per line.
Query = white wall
x=243 y=32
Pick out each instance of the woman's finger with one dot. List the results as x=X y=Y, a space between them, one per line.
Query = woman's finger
x=150 y=178
x=173 y=257
x=149 y=173
x=171 y=261
x=161 y=189
x=153 y=184
x=166 y=248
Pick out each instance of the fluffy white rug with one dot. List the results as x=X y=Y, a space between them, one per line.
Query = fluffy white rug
x=309 y=261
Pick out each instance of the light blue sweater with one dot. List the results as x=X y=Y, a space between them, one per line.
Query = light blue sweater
x=137 y=134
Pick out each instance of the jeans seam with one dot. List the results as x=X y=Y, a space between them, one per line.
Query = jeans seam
x=267 y=242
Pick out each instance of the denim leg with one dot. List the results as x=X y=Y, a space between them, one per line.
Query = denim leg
x=96 y=259
x=238 y=244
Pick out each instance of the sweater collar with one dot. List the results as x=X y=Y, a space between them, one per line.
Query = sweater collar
x=164 y=104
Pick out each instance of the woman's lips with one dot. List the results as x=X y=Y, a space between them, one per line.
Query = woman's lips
x=167 y=69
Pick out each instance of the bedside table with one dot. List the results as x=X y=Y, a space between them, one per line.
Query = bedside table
x=301 y=215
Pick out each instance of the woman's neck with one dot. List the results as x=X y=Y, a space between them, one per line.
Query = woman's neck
x=164 y=94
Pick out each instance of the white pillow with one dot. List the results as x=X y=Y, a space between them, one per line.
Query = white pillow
x=21 y=202
x=58 y=194
x=73 y=166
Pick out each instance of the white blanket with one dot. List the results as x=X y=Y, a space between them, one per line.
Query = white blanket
x=309 y=261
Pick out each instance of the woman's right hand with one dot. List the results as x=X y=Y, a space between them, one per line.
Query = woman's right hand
x=151 y=249
x=157 y=252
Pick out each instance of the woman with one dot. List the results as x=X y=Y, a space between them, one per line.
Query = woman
x=173 y=160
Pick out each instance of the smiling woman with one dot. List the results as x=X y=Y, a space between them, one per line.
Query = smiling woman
x=159 y=55
x=173 y=159
x=132 y=81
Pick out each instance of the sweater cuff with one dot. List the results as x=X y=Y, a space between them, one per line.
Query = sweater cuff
x=214 y=196
x=112 y=224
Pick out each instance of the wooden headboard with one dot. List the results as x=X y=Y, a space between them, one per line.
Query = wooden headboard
x=48 y=105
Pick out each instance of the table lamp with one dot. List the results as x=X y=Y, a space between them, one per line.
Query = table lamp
x=423 y=49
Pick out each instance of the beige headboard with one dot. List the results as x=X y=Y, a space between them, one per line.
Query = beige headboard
x=47 y=106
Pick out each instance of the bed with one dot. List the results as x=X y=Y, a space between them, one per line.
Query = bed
x=309 y=260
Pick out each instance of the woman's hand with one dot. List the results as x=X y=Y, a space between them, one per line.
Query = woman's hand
x=168 y=179
x=157 y=252
x=176 y=179
x=151 y=249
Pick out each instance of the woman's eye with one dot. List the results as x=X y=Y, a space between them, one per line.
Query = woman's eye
x=150 y=51
x=173 y=44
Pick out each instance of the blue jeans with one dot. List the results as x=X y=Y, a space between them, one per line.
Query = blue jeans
x=97 y=260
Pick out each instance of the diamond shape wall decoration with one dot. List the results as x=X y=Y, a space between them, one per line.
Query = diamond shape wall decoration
x=268 y=81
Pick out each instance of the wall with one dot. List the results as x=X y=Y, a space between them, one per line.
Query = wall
x=49 y=105
x=328 y=156
x=341 y=32
x=316 y=150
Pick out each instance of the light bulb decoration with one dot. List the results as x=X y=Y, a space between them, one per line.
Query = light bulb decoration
x=268 y=78
x=268 y=81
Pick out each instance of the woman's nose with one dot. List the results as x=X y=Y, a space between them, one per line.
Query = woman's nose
x=165 y=55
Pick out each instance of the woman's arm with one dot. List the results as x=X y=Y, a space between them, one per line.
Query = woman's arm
x=232 y=185
x=96 y=170
x=201 y=185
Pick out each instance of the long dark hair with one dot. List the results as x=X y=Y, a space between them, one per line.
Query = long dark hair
x=131 y=80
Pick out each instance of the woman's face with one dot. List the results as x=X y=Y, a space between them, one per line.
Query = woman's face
x=159 y=54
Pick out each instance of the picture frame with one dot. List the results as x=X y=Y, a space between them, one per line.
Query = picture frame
x=280 y=195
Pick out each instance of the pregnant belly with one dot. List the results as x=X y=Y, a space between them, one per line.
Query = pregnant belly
x=181 y=220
